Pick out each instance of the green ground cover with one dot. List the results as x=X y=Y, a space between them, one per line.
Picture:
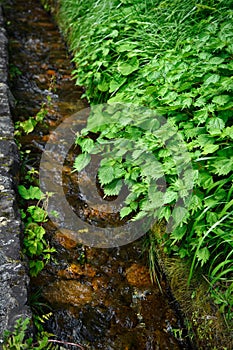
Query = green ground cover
x=175 y=58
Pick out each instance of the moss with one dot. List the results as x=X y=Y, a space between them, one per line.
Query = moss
x=203 y=319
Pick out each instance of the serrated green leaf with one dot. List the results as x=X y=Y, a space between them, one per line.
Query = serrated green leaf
x=119 y=171
x=201 y=101
x=113 y=188
x=96 y=119
x=183 y=253
x=187 y=102
x=201 y=115
x=157 y=200
x=204 y=139
x=195 y=203
x=87 y=145
x=221 y=99
x=178 y=233
x=139 y=216
x=212 y=79
x=215 y=126
x=153 y=170
x=136 y=154
x=134 y=205
x=170 y=196
x=170 y=97
x=35 y=267
x=211 y=217
x=223 y=166
x=125 y=211
x=81 y=161
x=106 y=174
x=179 y=213
x=211 y=148
x=164 y=212
x=134 y=173
x=203 y=255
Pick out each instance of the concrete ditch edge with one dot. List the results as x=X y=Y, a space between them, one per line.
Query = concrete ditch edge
x=14 y=280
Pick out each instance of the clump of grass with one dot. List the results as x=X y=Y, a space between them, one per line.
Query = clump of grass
x=104 y=33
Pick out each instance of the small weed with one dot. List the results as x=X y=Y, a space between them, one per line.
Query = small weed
x=28 y=125
x=14 y=71
x=35 y=245
x=31 y=175
x=19 y=340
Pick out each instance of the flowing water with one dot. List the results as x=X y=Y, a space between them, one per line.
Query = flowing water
x=100 y=298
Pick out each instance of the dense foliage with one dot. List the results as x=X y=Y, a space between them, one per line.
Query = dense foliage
x=175 y=58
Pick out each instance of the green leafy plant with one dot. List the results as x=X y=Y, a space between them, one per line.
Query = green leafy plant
x=174 y=58
x=28 y=125
x=19 y=340
x=31 y=175
x=35 y=245
x=14 y=71
x=133 y=157
x=41 y=310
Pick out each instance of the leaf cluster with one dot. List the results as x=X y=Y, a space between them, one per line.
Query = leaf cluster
x=28 y=125
x=18 y=339
x=174 y=58
x=35 y=244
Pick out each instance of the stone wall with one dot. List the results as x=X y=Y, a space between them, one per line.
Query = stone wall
x=13 y=278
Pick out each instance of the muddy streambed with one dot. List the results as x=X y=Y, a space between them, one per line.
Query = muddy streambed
x=100 y=298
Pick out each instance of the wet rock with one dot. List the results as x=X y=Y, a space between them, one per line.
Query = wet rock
x=77 y=271
x=68 y=292
x=87 y=325
x=66 y=239
x=99 y=283
x=65 y=325
x=125 y=317
x=153 y=311
x=96 y=321
x=138 y=275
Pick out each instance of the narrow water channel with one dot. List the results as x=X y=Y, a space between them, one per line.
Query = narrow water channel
x=100 y=298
